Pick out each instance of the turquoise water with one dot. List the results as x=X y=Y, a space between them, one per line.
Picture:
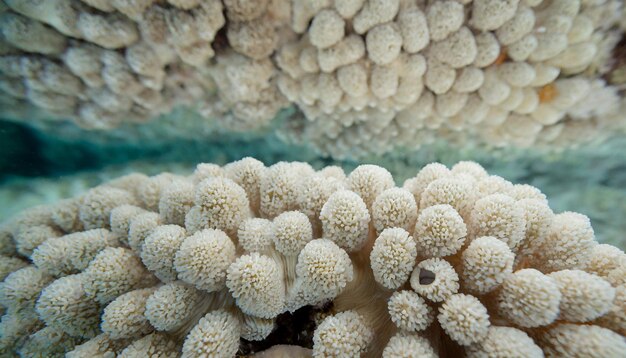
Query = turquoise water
x=39 y=167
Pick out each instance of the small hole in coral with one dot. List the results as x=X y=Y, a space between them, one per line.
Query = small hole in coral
x=426 y=277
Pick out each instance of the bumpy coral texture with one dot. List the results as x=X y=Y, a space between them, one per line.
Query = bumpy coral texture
x=367 y=75
x=450 y=265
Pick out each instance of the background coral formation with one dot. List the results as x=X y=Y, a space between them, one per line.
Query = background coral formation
x=239 y=258
x=365 y=76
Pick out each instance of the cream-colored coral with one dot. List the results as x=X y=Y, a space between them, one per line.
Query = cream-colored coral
x=257 y=284
x=456 y=192
x=247 y=172
x=345 y=219
x=487 y=262
x=97 y=204
x=112 y=272
x=505 y=342
x=615 y=318
x=160 y=248
x=155 y=344
x=464 y=318
x=255 y=235
x=584 y=297
x=499 y=72
x=221 y=204
x=435 y=279
x=72 y=253
x=64 y=305
x=48 y=342
x=109 y=31
x=291 y=231
x=368 y=181
x=581 y=340
x=604 y=259
x=425 y=176
x=20 y=289
x=140 y=227
x=100 y=346
x=171 y=305
x=323 y=270
x=30 y=238
x=327 y=28
x=121 y=216
x=394 y=207
x=344 y=334
x=439 y=231
x=499 y=216
x=279 y=188
x=30 y=35
x=217 y=333
x=402 y=345
x=409 y=311
x=568 y=244
x=203 y=258
x=393 y=257
x=315 y=191
x=256 y=329
x=324 y=253
x=124 y=317
x=175 y=202
x=10 y=264
x=529 y=298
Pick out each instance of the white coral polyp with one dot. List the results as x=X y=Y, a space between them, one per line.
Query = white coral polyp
x=203 y=258
x=584 y=297
x=505 y=342
x=394 y=207
x=498 y=215
x=393 y=257
x=402 y=345
x=409 y=311
x=217 y=333
x=439 y=231
x=464 y=318
x=529 y=298
x=345 y=220
x=435 y=279
x=255 y=234
x=344 y=334
x=291 y=231
x=324 y=269
x=256 y=282
x=221 y=203
x=487 y=262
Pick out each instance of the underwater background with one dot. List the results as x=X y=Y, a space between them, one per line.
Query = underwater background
x=40 y=167
x=312 y=178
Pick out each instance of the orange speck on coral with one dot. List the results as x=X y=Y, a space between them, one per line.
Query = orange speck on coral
x=502 y=57
x=547 y=93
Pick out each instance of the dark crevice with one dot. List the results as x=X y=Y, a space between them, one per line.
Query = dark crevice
x=291 y=329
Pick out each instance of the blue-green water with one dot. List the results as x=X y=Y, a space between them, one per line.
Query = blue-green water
x=36 y=167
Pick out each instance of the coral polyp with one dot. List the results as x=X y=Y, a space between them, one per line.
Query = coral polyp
x=289 y=260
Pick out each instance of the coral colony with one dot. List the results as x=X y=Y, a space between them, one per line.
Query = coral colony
x=365 y=75
x=289 y=261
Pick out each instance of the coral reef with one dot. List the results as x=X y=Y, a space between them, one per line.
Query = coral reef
x=366 y=76
x=248 y=259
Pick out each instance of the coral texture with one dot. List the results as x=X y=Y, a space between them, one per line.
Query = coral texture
x=366 y=75
x=357 y=280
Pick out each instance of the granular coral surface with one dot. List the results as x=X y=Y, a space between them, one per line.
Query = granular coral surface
x=365 y=75
x=247 y=259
